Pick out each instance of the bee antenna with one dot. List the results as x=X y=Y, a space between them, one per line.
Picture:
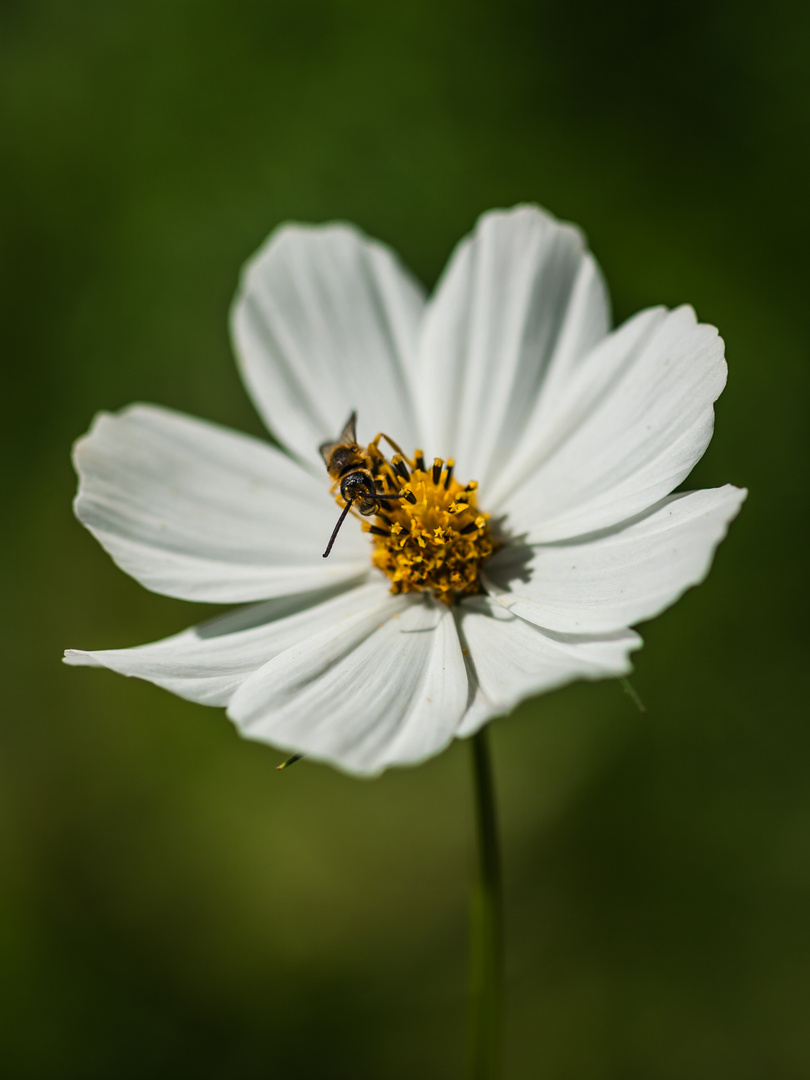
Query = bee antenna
x=341 y=519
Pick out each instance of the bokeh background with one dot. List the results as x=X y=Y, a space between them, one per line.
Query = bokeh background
x=169 y=904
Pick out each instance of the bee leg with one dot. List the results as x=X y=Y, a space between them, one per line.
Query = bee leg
x=390 y=442
x=409 y=495
x=336 y=530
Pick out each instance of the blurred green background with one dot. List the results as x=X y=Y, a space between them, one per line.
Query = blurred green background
x=169 y=904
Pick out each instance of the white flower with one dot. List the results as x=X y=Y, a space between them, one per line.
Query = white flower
x=576 y=434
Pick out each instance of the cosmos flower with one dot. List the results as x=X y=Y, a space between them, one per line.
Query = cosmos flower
x=519 y=515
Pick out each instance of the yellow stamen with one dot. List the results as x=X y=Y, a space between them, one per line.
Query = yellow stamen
x=437 y=543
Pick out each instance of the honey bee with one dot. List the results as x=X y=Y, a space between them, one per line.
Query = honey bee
x=358 y=470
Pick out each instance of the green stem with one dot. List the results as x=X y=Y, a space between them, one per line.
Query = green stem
x=486 y=944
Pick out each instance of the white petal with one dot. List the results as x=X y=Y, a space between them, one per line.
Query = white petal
x=636 y=416
x=386 y=687
x=192 y=510
x=519 y=303
x=511 y=660
x=208 y=663
x=324 y=322
x=615 y=578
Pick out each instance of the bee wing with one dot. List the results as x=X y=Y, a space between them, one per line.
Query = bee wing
x=347 y=437
x=349 y=433
x=326 y=450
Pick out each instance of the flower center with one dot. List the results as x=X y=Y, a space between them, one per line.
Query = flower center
x=435 y=543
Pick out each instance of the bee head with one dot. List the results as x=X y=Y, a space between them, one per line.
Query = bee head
x=359 y=487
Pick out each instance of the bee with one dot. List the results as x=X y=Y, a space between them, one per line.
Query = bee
x=358 y=469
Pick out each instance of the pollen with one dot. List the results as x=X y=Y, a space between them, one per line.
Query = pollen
x=436 y=543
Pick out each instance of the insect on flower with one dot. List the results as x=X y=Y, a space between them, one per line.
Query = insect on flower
x=359 y=472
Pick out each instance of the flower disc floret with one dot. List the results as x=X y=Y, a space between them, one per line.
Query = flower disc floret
x=437 y=543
